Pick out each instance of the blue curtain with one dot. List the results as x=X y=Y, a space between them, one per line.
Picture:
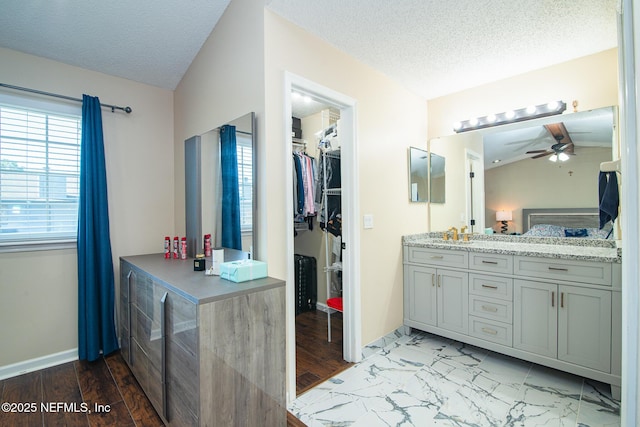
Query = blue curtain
x=231 y=235
x=96 y=325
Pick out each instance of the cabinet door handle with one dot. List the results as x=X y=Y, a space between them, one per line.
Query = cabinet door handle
x=437 y=256
x=489 y=308
x=561 y=299
x=129 y=312
x=163 y=352
x=433 y=279
x=439 y=280
x=490 y=331
x=558 y=269
x=489 y=286
x=490 y=262
x=553 y=299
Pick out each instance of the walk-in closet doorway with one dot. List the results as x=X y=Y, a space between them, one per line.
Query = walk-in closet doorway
x=350 y=235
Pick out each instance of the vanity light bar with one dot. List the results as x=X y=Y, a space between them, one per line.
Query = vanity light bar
x=527 y=113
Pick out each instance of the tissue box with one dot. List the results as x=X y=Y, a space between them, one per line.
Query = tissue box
x=241 y=271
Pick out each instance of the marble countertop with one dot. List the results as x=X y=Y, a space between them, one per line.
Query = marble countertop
x=571 y=249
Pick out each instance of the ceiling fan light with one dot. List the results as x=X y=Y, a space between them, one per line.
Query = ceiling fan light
x=554 y=158
x=563 y=157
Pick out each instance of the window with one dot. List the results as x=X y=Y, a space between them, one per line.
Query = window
x=245 y=181
x=39 y=171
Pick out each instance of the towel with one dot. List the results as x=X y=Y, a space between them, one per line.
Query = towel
x=608 y=196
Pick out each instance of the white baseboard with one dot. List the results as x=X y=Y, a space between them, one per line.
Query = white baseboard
x=38 y=363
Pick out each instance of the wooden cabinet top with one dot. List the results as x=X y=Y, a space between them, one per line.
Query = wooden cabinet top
x=178 y=276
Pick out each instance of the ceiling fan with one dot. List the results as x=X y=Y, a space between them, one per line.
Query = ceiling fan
x=562 y=148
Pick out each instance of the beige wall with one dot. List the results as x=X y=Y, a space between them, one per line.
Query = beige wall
x=389 y=120
x=224 y=82
x=591 y=80
x=38 y=307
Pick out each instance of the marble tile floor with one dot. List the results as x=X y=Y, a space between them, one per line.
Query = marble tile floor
x=426 y=380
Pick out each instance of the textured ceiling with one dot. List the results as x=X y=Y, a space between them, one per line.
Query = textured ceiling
x=148 y=41
x=433 y=47
x=438 y=47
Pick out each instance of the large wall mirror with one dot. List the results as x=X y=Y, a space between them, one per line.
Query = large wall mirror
x=208 y=204
x=519 y=168
x=437 y=178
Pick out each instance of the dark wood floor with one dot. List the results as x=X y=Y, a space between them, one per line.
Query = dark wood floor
x=105 y=392
x=108 y=389
x=317 y=359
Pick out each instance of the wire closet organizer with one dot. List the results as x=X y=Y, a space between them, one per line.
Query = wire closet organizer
x=333 y=247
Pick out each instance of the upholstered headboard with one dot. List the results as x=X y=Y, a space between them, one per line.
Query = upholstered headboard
x=565 y=217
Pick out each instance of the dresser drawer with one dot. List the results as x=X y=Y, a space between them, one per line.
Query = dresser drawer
x=490 y=308
x=495 y=263
x=490 y=330
x=441 y=257
x=491 y=286
x=597 y=273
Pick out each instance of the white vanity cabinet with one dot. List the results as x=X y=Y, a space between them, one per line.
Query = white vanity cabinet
x=561 y=313
x=437 y=296
x=571 y=323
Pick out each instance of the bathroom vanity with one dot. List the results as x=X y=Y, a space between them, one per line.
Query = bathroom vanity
x=206 y=351
x=555 y=302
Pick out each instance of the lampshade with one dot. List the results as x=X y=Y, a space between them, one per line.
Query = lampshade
x=503 y=216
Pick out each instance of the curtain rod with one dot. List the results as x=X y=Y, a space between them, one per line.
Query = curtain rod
x=55 y=95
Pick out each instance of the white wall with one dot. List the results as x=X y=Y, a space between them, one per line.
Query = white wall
x=389 y=120
x=38 y=307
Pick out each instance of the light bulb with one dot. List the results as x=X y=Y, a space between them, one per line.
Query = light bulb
x=531 y=109
x=510 y=114
x=473 y=122
x=554 y=158
x=563 y=157
x=457 y=125
x=491 y=118
x=553 y=105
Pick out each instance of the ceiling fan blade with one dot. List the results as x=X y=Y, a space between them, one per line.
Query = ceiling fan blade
x=569 y=149
x=535 y=151
x=543 y=155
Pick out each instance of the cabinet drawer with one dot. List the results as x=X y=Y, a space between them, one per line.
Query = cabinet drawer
x=489 y=330
x=598 y=273
x=495 y=263
x=489 y=308
x=491 y=286
x=441 y=257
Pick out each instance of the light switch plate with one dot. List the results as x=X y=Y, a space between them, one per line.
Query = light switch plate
x=368 y=221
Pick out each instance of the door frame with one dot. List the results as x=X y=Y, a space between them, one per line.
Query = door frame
x=352 y=329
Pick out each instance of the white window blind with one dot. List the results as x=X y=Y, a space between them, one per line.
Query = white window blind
x=39 y=174
x=245 y=182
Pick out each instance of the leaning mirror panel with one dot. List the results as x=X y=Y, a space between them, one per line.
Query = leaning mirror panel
x=220 y=191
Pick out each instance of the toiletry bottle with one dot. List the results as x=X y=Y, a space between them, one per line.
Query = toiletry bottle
x=207 y=245
x=167 y=247
x=183 y=248
x=175 y=247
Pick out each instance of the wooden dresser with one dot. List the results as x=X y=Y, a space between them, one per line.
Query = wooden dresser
x=206 y=351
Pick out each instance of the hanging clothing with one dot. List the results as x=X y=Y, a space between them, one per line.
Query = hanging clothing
x=608 y=197
x=305 y=178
